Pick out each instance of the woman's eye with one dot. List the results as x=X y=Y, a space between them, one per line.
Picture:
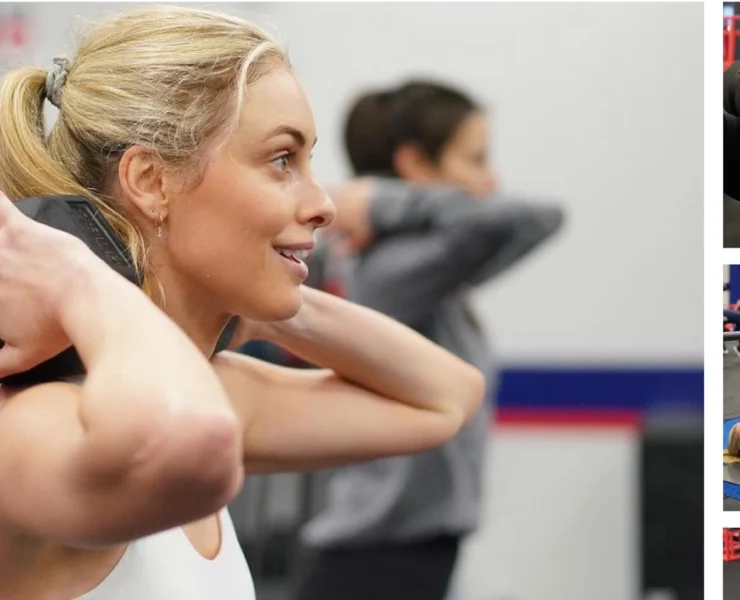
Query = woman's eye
x=282 y=162
x=285 y=161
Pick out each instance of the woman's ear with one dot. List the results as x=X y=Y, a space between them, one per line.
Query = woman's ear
x=140 y=179
x=412 y=164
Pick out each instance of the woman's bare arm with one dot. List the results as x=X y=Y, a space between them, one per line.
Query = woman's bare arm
x=148 y=442
x=384 y=390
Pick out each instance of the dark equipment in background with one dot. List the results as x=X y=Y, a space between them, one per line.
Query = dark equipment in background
x=672 y=490
x=731 y=130
x=731 y=146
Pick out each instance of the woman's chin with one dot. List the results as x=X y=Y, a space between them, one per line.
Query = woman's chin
x=285 y=307
x=276 y=303
x=287 y=313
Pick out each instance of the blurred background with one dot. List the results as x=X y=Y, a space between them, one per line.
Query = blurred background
x=594 y=483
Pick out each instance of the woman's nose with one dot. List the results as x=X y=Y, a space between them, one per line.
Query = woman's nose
x=318 y=209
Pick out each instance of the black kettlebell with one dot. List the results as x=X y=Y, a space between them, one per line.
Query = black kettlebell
x=79 y=217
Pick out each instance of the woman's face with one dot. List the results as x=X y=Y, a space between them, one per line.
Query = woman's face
x=229 y=239
x=464 y=160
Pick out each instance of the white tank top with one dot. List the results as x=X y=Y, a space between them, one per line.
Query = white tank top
x=165 y=566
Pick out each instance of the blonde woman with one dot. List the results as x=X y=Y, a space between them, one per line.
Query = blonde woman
x=732 y=452
x=190 y=131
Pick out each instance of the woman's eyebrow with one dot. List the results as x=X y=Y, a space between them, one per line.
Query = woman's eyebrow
x=298 y=135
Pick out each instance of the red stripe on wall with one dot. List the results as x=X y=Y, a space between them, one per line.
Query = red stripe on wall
x=568 y=418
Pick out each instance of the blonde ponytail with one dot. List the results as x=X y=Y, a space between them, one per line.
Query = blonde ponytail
x=26 y=166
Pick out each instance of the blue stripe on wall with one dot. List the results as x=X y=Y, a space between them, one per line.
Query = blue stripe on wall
x=603 y=388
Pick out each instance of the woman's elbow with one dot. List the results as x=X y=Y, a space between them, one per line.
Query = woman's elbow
x=464 y=402
x=187 y=467
x=204 y=458
x=472 y=394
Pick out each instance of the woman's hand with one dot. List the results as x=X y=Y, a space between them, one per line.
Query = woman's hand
x=37 y=265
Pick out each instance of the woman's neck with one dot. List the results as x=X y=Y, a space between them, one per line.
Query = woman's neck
x=202 y=328
x=194 y=312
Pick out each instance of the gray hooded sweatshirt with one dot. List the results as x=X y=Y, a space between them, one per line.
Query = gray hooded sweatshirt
x=430 y=246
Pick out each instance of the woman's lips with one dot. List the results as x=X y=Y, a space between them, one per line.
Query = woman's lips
x=293 y=263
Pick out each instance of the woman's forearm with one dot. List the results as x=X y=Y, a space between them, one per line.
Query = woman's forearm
x=148 y=389
x=379 y=354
